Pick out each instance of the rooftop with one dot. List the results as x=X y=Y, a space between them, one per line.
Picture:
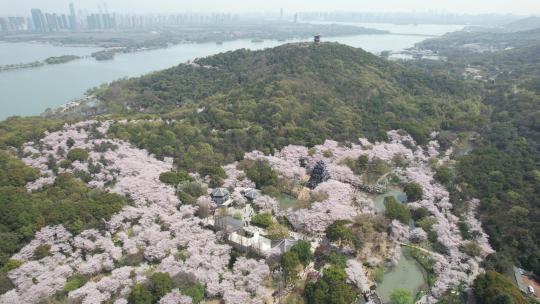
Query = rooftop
x=220 y=192
x=252 y=193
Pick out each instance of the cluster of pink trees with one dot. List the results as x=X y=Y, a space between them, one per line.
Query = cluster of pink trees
x=175 y=297
x=399 y=231
x=287 y=167
x=155 y=226
x=418 y=235
x=456 y=266
x=338 y=206
x=172 y=237
x=236 y=178
x=451 y=269
x=119 y=282
x=246 y=283
x=266 y=203
x=357 y=275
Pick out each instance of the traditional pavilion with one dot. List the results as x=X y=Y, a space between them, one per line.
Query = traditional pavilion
x=221 y=197
x=252 y=194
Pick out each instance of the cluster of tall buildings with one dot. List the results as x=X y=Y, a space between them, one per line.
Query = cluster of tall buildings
x=39 y=21
x=43 y=22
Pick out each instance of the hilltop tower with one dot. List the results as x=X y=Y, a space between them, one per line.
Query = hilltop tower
x=317 y=38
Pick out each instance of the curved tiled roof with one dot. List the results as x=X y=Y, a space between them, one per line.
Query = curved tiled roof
x=252 y=193
x=220 y=192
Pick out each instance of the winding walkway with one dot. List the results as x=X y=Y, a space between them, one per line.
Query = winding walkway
x=424 y=250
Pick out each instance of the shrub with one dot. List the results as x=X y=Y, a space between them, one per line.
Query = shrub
x=74 y=282
x=5 y=283
x=140 y=295
x=472 y=248
x=277 y=231
x=105 y=146
x=396 y=210
x=361 y=163
x=464 y=230
x=42 y=251
x=289 y=264
x=66 y=163
x=160 y=284
x=339 y=232
x=195 y=291
x=174 y=178
x=190 y=191
x=261 y=174
x=414 y=192
x=262 y=220
x=169 y=178
x=401 y=296
x=328 y=153
x=11 y=264
x=186 y=199
x=419 y=213
x=318 y=196
x=427 y=223
x=443 y=175
x=331 y=288
x=70 y=142
x=303 y=251
x=77 y=154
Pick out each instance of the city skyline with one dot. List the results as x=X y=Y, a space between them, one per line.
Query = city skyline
x=520 y=7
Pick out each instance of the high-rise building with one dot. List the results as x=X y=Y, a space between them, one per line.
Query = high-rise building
x=3 y=25
x=30 y=25
x=72 y=17
x=16 y=24
x=52 y=22
x=38 y=19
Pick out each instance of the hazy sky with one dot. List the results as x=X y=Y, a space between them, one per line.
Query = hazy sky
x=524 y=7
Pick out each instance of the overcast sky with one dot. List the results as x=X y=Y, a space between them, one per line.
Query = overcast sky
x=523 y=7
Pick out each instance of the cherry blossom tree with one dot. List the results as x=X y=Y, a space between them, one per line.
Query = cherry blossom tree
x=357 y=275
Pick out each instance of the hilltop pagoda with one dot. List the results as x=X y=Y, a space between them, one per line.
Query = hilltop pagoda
x=317 y=39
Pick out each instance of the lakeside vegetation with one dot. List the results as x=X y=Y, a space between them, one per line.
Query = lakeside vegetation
x=20 y=66
x=61 y=59
x=163 y=37
x=104 y=55
x=37 y=64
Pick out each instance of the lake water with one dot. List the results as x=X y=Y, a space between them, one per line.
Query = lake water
x=13 y=53
x=397 y=193
x=407 y=274
x=31 y=91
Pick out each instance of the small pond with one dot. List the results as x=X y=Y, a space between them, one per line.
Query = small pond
x=407 y=274
x=396 y=192
x=287 y=201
